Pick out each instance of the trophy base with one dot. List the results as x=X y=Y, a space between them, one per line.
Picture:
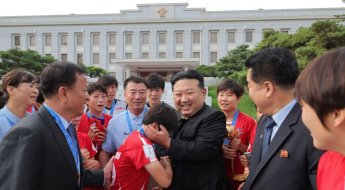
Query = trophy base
x=240 y=177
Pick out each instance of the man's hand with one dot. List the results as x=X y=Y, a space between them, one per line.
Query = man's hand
x=159 y=137
x=91 y=164
x=228 y=152
x=108 y=172
x=237 y=145
x=85 y=154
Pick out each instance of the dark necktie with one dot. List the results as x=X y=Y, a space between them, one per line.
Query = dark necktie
x=72 y=133
x=268 y=126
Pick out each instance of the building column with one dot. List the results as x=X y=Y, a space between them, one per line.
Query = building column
x=23 y=41
x=136 y=45
x=187 y=44
x=222 y=44
x=153 y=44
x=103 y=51
x=120 y=40
x=55 y=45
x=39 y=42
x=71 y=49
x=87 y=48
x=170 y=43
x=204 y=47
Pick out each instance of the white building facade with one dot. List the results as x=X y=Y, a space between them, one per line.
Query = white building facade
x=154 y=38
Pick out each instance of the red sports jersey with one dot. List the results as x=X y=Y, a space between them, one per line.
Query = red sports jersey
x=86 y=122
x=130 y=161
x=331 y=171
x=246 y=126
x=84 y=141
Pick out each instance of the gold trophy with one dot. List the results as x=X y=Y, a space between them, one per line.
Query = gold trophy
x=232 y=133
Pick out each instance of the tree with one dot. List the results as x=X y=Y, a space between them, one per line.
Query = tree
x=307 y=43
x=234 y=62
x=207 y=71
x=93 y=71
x=29 y=60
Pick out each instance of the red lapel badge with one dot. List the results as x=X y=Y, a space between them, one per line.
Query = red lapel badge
x=284 y=153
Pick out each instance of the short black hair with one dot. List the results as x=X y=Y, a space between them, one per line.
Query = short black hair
x=96 y=86
x=135 y=79
x=190 y=74
x=231 y=85
x=277 y=65
x=108 y=80
x=40 y=97
x=155 y=81
x=162 y=114
x=57 y=75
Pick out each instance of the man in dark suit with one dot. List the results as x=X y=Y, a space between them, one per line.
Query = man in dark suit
x=196 y=147
x=283 y=156
x=42 y=152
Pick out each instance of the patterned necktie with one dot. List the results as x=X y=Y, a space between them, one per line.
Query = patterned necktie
x=268 y=126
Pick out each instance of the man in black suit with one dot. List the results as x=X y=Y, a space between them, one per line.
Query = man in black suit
x=196 y=147
x=42 y=152
x=283 y=156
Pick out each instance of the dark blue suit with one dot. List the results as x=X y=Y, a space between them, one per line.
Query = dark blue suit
x=297 y=170
x=35 y=156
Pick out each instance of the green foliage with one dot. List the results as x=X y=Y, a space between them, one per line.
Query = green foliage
x=234 y=62
x=93 y=71
x=207 y=71
x=307 y=43
x=274 y=39
x=240 y=77
x=29 y=60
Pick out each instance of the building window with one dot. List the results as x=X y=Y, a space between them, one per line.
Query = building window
x=63 y=39
x=214 y=37
x=16 y=39
x=112 y=56
x=47 y=39
x=80 y=58
x=95 y=39
x=231 y=37
x=161 y=55
x=196 y=37
x=64 y=57
x=128 y=38
x=79 y=39
x=179 y=54
x=48 y=54
x=112 y=39
x=144 y=55
x=145 y=38
x=128 y=55
x=285 y=30
x=196 y=54
x=213 y=57
x=179 y=37
x=249 y=36
x=32 y=40
x=95 y=58
x=162 y=38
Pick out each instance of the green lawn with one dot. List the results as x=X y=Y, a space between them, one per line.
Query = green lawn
x=246 y=105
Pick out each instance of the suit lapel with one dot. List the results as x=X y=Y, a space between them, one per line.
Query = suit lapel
x=60 y=140
x=282 y=134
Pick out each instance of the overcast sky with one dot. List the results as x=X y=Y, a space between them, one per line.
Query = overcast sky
x=53 y=7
